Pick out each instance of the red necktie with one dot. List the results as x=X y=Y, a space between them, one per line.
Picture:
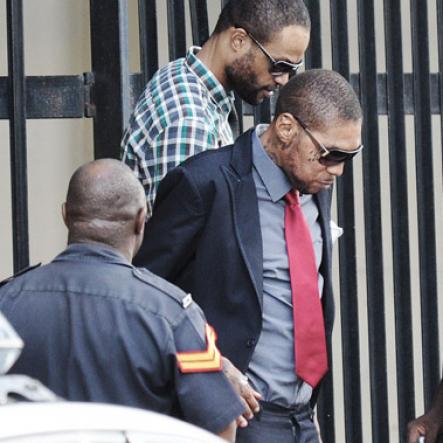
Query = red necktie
x=309 y=330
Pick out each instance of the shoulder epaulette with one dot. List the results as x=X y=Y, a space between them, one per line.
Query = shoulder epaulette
x=21 y=272
x=163 y=285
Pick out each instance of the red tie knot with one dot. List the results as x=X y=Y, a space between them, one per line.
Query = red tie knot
x=292 y=198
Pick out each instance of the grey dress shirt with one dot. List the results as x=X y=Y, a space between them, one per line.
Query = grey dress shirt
x=272 y=367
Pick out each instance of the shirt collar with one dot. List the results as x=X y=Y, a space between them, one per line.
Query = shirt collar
x=273 y=177
x=92 y=252
x=216 y=90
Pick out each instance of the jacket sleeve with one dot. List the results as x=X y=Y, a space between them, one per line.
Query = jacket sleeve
x=173 y=231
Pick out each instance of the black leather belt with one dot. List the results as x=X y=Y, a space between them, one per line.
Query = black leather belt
x=284 y=411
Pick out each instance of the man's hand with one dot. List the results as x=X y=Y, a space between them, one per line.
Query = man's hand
x=430 y=424
x=248 y=395
x=427 y=425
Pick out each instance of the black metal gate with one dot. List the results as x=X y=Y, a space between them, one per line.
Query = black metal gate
x=108 y=93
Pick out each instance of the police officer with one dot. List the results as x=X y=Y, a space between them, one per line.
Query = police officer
x=98 y=329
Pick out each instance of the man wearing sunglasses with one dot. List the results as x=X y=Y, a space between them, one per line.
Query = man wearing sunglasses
x=219 y=231
x=254 y=49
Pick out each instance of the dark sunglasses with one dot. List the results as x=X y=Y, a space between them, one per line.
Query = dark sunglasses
x=330 y=156
x=278 y=67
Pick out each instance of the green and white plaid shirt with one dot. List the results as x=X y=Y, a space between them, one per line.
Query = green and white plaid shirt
x=183 y=110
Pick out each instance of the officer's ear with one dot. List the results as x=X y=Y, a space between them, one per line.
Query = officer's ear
x=140 y=221
x=64 y=215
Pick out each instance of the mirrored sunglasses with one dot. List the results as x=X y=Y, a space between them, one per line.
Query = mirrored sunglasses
x=278 y=67
x=330 y=156
x=334 y=156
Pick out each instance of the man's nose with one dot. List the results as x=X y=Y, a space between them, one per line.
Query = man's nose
x=281 y=79
x=336 y=170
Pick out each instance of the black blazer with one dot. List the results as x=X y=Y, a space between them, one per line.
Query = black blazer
x=205 y=237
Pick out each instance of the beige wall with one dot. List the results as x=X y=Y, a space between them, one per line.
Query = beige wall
x=57 y=42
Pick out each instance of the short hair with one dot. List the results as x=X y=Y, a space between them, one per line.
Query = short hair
x=318 y=97
x=103 y=199
x=263 y=18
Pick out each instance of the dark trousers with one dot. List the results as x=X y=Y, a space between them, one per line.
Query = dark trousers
x=275 y=424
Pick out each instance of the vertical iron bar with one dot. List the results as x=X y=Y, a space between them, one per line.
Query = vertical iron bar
x=125 y=83
x=262 y=113
x=425 y=198
x=347 y=249
x=17 y=125
x=176 y=29
x=109 y=50
x=399 y=214
x=339 y=37
x=147 y=18
x=373 y=228
x=199 y=21
x=440 y=58
x=313 y=57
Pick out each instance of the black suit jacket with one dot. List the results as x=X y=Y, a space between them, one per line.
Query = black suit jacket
x=205 y=237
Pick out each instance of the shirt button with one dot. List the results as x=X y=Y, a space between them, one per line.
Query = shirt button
x=251 y=342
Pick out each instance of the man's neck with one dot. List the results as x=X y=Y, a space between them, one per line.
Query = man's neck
x=211 y=55
x=268 y=141
x=86 y=241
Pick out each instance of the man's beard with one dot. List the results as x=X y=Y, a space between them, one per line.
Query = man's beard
x=243 y=80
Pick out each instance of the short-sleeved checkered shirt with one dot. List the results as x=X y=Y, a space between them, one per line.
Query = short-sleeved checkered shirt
x=183 y=111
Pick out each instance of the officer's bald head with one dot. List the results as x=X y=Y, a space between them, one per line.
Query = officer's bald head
x=103 y=204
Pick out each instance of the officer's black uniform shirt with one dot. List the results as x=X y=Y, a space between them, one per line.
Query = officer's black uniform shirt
x=98 y=329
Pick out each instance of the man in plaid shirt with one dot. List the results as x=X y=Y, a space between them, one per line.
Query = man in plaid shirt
x=184 y=109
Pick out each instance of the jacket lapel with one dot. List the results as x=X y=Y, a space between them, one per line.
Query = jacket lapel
x=245 y=214
x=323 y=200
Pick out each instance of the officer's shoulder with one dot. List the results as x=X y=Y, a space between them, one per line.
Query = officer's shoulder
x=18 y=274
x=163 y=287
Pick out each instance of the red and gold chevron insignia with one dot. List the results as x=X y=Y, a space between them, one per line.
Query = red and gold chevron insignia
x=202 y=361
